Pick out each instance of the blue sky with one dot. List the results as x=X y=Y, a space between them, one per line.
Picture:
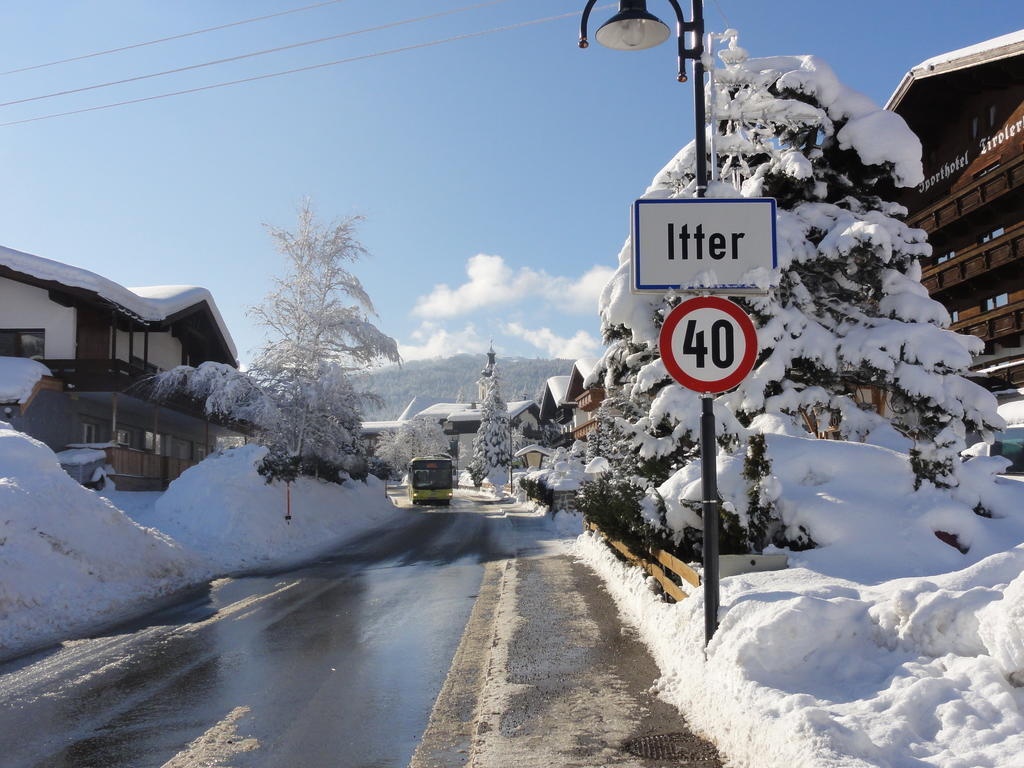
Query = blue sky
x=495 y=173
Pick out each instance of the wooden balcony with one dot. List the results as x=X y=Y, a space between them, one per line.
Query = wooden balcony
x=143 y=466
x=976 y=261
x=590 y=399
x=979 y=192
x=84 y=375
x=995 y=324
x=584 y=429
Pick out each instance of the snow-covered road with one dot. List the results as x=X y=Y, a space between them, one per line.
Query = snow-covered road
x=337 y=663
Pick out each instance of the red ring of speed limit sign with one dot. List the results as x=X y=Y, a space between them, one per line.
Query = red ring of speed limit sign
x=705 y=344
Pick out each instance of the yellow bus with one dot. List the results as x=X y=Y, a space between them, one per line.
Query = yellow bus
x=430 y=480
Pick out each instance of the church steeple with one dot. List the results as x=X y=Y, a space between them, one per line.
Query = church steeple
x=489 y=368
x=486 y=373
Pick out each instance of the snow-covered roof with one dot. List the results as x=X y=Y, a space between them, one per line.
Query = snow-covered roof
x=417 y=406
x=376 y=427
x=1013 y=412
x=997 y=48
x=18 y=377
x=558 y=386
x=150 y=303
x=1000 y=366
x=586 y=365
x=443 y=410
x=533 y=449
x=514 y=408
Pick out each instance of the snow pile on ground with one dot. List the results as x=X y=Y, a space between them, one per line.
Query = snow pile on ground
x=18 y=377
x=225 y=510
x=68 y=558
x=885 y=645
x=72 y=560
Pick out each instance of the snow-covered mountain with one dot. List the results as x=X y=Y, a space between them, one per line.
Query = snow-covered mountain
x=444 y=378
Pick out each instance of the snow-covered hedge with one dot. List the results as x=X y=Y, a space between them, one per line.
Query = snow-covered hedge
x=225 y=510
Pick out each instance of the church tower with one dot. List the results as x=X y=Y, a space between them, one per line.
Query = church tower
x=486 y=374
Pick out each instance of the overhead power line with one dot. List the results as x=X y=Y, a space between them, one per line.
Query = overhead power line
x=253 y=54
x=311 y=67
x=171 y=37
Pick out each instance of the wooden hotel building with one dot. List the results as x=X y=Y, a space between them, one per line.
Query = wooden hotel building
x=967 y=107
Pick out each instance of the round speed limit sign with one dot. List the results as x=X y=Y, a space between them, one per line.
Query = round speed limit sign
x=709 y=344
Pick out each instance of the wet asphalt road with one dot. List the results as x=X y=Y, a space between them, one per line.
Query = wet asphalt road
x=334 y=664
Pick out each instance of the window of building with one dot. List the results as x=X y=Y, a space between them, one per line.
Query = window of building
x=89 y=433
x=975 y=125
x=124 y=437
x=989 y=236
x=954 y=315
x=199 y=453
x=994 y=302
x=23 y=342
x=945 y=257
x=991 y=115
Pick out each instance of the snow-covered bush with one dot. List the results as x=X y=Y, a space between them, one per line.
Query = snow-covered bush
x=844 y=313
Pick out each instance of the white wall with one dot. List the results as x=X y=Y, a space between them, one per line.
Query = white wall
x=164 y=349
x=25 y=306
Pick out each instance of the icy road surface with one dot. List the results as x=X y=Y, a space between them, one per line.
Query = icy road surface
x=466 y=635
x=337 y=663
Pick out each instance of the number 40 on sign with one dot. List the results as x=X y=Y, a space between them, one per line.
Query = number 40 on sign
x=708 y=344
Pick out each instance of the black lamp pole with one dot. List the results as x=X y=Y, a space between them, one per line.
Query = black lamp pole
x=634 y=28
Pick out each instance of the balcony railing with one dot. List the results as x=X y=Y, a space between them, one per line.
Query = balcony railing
x=590 y=399
x=995 y=324
x=83 y=375
x=584 y=429
x=979 y=192
x=975 y=261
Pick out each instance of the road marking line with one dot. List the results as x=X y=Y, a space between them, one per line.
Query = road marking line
x=216 y=745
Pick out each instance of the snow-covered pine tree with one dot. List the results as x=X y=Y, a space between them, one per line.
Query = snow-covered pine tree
x=491 y=448
x=845 y=309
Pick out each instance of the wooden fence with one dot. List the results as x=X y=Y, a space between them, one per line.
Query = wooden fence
x=662 y=562
x=141 y=464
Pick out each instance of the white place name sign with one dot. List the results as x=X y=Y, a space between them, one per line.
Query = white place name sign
x=712 y=245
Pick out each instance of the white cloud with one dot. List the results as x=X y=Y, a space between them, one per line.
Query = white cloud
x=435 y=341
x=580 y=344
x=492 y=282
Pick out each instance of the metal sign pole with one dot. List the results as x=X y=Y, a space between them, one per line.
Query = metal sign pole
x=708 y=452
x=709 y=490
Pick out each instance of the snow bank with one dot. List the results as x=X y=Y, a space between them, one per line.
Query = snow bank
x=68 y=558
x=18 y=377
x=884 y=646
x=225 y=510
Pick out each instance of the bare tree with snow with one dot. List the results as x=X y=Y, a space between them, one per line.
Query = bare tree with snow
x=415 y=437
x=319 y=329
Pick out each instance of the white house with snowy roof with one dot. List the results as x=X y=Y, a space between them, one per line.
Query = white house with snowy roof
x=93 y=341
x=460 y=420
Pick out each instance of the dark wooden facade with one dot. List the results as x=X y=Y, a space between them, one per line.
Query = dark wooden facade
x=968 y=111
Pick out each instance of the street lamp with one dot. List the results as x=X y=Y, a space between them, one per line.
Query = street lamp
x=633 y=28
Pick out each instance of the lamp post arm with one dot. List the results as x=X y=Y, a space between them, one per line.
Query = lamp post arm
x=583 y=22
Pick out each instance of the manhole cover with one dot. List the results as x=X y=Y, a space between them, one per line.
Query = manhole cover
x=684 y=748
